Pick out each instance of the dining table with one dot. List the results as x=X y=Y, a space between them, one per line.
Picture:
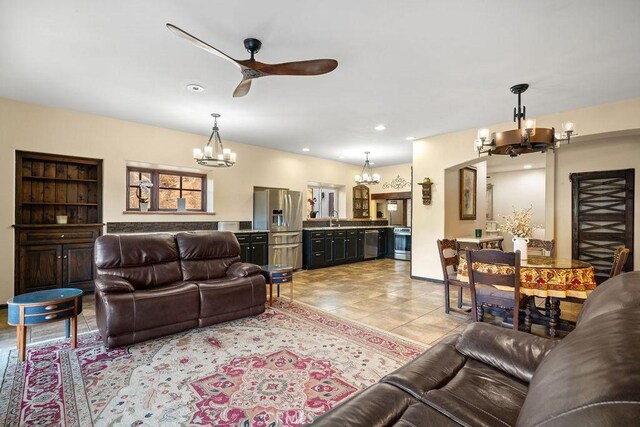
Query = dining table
x=554 y=279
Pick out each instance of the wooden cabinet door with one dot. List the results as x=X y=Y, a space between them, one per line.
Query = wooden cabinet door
x=39 y=267
x=339 y=250
x=78 y=271
x=245 y=252
x=382 y=242
x=328 y=248
x=259 y=253
x=351 y=247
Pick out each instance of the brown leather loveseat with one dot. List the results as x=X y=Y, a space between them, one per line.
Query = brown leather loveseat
x=491 y=376
x=150 y=285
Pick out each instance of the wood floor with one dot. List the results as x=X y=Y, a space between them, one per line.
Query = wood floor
x=378 y=293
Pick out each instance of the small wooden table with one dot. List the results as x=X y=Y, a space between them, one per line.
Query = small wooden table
x=276 y=274
x=480 y=242
x=36 y=308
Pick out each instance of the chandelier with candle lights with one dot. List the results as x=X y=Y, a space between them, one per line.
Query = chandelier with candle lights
x=214 y=154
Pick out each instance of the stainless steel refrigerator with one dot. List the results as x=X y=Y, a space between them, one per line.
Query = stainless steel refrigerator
x=280 y=212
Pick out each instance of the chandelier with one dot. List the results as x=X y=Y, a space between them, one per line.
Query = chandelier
x=530 y=139
x=214 y=154
x=367 y=177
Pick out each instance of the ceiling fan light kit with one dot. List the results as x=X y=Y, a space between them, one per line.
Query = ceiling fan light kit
x=252 y=69
x=214 y=155
x=367 y=177
x=527 y=138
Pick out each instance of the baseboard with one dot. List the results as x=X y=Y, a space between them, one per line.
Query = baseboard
x=426 y=279
x=3 y=306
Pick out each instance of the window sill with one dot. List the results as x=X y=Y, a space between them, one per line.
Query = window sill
x=166 y=213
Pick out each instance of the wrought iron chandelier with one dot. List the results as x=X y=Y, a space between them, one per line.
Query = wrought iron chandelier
x=530 y=139
x=214 y=155
x=367 y=177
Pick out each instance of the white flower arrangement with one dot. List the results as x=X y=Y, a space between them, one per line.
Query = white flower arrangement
x=519 y=223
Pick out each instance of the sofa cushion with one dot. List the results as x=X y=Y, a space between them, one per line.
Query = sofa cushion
x=591 y=377
x=616 y=293
x=479 y=395
x=218 y=296
x=207 y=255
x=144 y=260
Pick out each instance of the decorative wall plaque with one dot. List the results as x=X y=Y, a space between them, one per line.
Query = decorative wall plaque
x=396 y=183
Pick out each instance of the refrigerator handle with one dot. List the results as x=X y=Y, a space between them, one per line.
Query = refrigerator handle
x=288 y=198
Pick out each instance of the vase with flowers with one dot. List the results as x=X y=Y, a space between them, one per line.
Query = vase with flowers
x=312 y=203
x=518 y=224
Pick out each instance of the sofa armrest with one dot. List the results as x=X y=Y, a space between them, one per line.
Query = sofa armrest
x=515 y=353
x=113 y=284
x=242 y=269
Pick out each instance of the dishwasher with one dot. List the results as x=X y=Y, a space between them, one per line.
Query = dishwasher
x=370 y=244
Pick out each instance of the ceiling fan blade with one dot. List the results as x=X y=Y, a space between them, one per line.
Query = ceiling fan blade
x=312 y=67
x=243 y=88
x=202 y=45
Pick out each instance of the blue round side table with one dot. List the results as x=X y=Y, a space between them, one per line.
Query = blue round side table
x=36 y=308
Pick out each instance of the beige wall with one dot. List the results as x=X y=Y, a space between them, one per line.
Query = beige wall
x=519 y=190
x=454 y=226
x=387 y=175
x=433 y=155
x=36 y=128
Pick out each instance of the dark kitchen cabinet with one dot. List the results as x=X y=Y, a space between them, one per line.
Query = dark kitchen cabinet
x=351 y=245
x=383 y=235
x=324 y=248
x=339 y=248
x=254 y=247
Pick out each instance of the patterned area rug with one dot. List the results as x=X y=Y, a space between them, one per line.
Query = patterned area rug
x=282 y=368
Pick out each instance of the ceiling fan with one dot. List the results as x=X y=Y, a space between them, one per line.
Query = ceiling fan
x=252 y=69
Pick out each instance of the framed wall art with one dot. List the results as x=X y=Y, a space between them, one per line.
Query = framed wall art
x=468 y=180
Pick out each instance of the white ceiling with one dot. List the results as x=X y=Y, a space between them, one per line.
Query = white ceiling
x=420 y=67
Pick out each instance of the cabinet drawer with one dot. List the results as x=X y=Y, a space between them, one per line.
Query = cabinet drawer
x=317 y=259
x=243 y=238
x=317 y=234
x=352 y=233
x=340 y=233
x=58 y=236
x=39 y=309
x=48 y=317
x=317 y=245
x=259 y=237
x=281 y=280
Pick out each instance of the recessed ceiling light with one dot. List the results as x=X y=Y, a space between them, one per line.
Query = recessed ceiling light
x=410 y=138
x=195 y=88
x=380 y=127
x=305 y=149
x=527 y=166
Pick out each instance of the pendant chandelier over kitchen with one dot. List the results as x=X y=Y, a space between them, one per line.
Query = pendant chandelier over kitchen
x=531 y=139
x=367 y=176
x=214 y=155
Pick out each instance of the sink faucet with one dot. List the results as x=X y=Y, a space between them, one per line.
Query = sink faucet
x=331 y=217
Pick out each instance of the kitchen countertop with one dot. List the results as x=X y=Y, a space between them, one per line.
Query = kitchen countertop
x=346 y=227
x=248 y=231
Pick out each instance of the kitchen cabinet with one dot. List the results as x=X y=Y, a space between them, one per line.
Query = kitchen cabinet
x=254 y=247
x=383 y=235
x=324 y=248
x=361 y=202
x=351 y=245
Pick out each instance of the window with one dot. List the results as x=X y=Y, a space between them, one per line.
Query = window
x=168 y=187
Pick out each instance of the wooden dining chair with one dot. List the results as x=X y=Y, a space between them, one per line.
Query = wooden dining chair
x=491 y=268
x=620 y=256
x=448 y=250
x=541 y=247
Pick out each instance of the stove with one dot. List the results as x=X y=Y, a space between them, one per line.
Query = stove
x=402 y=243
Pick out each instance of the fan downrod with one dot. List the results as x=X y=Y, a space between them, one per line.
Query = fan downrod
x=252 y=46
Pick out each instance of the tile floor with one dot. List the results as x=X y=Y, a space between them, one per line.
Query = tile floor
x=378 y=293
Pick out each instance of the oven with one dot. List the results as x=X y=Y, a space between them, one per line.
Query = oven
x=402 y=243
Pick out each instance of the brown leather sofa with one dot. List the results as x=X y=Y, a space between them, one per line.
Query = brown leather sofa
x=150 y=285
x=491 y=376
